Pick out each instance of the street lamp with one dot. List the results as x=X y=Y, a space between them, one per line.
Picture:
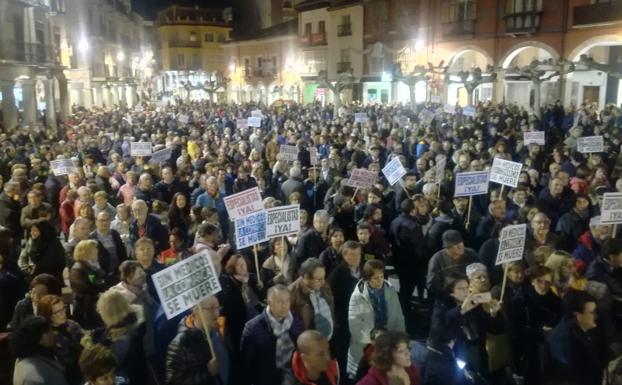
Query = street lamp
x=83 y=45
x=120 y=56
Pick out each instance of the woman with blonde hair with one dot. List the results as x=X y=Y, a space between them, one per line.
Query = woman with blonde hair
x=87 y=281
x=564 y=273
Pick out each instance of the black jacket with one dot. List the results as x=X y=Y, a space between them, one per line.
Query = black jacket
x=342 y=284
x=310 y=245
x=10 y=211
x=187 y=358
x=570 y=227
x=407 y=239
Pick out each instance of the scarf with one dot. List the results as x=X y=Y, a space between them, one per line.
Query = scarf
x=284 y=343
x=322 y=316
x=379 y=304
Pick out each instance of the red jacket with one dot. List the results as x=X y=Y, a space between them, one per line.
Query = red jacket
x=67 y=216
x=300 y=374
x=376 y=377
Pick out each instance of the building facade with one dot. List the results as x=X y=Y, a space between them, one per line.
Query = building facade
x=190 y=52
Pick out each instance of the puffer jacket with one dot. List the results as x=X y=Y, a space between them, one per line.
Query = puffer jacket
x=187 y=358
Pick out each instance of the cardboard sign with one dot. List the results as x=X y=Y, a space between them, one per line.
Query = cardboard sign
x=511 y=244
x=589 y=144
x=62 y=166
x=250 y=230
x=394 y=171
x=611 y=209
x=449 y=109
x=288 y=153
x=186 y=283
x=243 y=203
x=439 y=170
x=536 y=137
x=505 y=172
x=361 y=178
x=140 y=149
x=471 y=183
x=254 y=121
x=242 y=123
x=161 y=156
x=313 y=157
x=360 y=117
x=468 y=111
x=282 y=221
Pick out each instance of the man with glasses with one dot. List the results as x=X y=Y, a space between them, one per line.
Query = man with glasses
x=109 y=243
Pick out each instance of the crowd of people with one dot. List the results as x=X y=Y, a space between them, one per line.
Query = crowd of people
x=344 y=300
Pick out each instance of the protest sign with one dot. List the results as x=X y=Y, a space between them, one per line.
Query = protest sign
x=439 y=170
x=250 y=230
x=588 y=144
x=505 y=172
x=254 y=121
x=313 y=158
x=243 y=203
x=139 y=108
x=186 y=283
x=282 y=220
x=256 y=114
x=471 y=183
x=242 y=123
x=360 y=117
x=511 y=244
x=468 y=111
x=611 y=209
x=450 y=109
x=140 y=149
x=394 y=171
x=536 y=137
x=426 y=117
x=62 y=166
x=288 y=153
x=361 y=178
x=161 y=156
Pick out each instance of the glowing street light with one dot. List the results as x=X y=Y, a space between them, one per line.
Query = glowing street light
x=83 y=45
x=120 y=56
x=231 y=67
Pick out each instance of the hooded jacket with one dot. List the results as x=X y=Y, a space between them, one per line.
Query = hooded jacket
x=300 y=374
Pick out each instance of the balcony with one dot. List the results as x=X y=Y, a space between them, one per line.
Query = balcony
x=313 y=39
x=344 y=30
x=522 y=23
x=260 y=73
x=179 y=43
x=20 y=51
x=594 y=14
x=459 y=28
x=343 y=66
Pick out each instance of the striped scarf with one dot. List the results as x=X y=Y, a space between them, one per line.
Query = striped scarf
x=284 y=344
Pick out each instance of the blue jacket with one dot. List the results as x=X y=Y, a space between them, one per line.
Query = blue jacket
x=206 y=200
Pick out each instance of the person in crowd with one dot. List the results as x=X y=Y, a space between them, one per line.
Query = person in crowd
x=145 y=255
x=565 y=273
x=269 y=339
x=33 y=343
x=67 y=212
x=313 y=241
x=495 y=218
x=40 y=286
x=147 y=225
x=43 y=252
x=280 y=266
x=575 y=222
x=374 y=305
x=391 y=361
x=540 y=234
x=590 y=242
x=441 y=366
x=99 y=366
x=87 y=280
x=214 y=199
x=311 y=362
x=179 y=212
x=110 y=245
x=102 y=204
x=331 y=256
x=36 y=211
x=452 y=259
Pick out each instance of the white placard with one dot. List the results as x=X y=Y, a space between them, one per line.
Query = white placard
x=471 y=183
x=141 y=149
x=394 y=171
x=468 y=111
x=535 y=137
x=360 y=117
x=361 y=178
x=449 y=109
x=511 y=244
x=256 y=114
x=62 y=166
x=250 y=230
x=244 y=203
x=589 y=144
x=161 y=156
x=439 y=170
x=186 y=283
x=288 y=153
x=435 y=99
x=313 y=156
x=282 y=221
x=242 y=123
x=254 y=121
x=505 y=172
x=139 y=108
x=611 y=208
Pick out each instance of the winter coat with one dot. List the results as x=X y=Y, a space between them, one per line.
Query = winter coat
x=601 y=271
x=235 y=309
x=588 y=248
x=39 y=370
x=310 y=245
x=406 y=236
x=154 y=230
x=440 y=368
x=299 y=373
x=441 y=266
x=271 y=274
x=301 y=304
x=570 y=227
x=23 y=311
x=86 y=284
x=361 y=319
x=377 y=377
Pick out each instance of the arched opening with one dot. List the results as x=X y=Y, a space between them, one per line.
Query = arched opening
x=467 y=60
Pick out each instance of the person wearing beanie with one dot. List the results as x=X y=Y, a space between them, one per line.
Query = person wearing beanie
x=452 y=259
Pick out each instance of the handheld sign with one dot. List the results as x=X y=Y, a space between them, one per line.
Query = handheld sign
x=394 y=171
x=161 y=156
x=505 y=172
x=288 y=153
x=589 y=144
x=62 y=167
x=450 y=109
x=250 y=230
x=243 y=203
x=468 y=111
x=611 y=209
x=243 y=123
x=439 y=170
x=186 y=283
x=360 y=117
x=282 y=221
x=471 y=183
x=535 y=137
x=140 y=149
x=254 y=121
x=256 y=114
x=511 y=244
x=313 y=158
x=361 y=178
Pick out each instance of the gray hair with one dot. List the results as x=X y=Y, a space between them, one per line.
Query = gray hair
x=321 y=214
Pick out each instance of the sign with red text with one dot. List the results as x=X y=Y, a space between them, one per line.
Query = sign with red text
x=361 y=178
x=243 y=203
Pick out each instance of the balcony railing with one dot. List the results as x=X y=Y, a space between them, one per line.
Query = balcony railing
x=459 y=28
x=318 y=38
x=344 y=30
x=521 y=23
x=178 y=43
x=21 y=51
x=594 y=14
x=343 y=66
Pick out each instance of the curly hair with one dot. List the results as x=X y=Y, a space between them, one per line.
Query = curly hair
x=384 y=347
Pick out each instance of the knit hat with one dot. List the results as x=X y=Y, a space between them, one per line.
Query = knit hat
x=451 y=238
x=474 y=268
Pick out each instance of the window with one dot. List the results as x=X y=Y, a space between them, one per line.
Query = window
x=196 y=61
x=209 y=36
x=193 y=36
x=307 y=29
x=181 y=60
x=273 y=61
x=259 y=62
x=345 y=19
x=461 y=10
x=321 y=26
x=518 y=6
x=221 y=37
x=345 y=55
